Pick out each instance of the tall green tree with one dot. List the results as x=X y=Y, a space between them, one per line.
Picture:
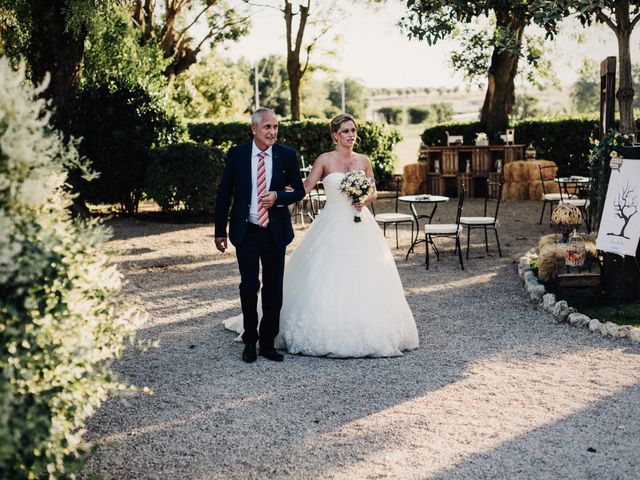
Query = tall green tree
x=272 y=84
x=297 y=19
x=621 y=16
x=525 y=107
x=50 y=35
x=215 y=88
x=114 y=53
x=585 y=95
x=306 y=21
x=434 y=20
x=356 y=97
x=178 y=28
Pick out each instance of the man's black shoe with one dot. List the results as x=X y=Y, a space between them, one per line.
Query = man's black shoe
x=272 y=354
x=249 y=353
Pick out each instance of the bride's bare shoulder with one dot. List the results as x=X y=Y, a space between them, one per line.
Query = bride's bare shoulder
x=363 y=160
x=323 y=158
x=326 y=155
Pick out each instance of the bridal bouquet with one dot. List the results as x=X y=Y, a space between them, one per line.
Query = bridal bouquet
x=357 y=186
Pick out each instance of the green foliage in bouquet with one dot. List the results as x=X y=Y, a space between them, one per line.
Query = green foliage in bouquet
x=186 y=176
x=61 y=323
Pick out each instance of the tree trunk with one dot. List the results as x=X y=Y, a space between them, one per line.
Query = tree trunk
x=55 y=50
x=625 y=85
x=294 y=67
x=500 y=96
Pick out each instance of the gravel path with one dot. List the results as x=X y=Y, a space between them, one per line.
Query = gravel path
x=497 y=389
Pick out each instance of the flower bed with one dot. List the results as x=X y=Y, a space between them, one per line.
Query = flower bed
x=560 y=309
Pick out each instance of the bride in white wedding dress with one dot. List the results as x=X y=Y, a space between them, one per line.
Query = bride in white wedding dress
x=342 y=293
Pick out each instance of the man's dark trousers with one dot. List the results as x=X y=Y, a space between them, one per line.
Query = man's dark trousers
x=258 y=246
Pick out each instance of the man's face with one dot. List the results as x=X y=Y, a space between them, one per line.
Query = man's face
x=265 y=133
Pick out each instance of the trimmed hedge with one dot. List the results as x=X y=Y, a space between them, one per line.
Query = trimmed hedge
x=418 y=114
x=119 y=124
x=392 y=115
x=565 y=140
x=310 y=138
x=185 y=176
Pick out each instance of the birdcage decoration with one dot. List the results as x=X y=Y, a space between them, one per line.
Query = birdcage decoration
x=575 y=253
x=530 y=153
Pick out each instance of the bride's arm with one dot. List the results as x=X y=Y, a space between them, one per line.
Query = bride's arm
x=369 y=173
x=315 y=174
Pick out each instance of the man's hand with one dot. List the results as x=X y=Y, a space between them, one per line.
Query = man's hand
x=268 y=199
x=221 y=244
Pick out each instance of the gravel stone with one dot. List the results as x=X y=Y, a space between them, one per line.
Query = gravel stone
x=549 y=302
x=495 y=390
x=578 y=319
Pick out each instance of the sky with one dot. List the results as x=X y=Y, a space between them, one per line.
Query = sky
x=372 y=49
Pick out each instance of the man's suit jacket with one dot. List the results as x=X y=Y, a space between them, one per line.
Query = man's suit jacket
x=236 y=185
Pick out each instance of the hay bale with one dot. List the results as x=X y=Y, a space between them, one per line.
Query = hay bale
x=549 y=257
x=533 y=170
x=414 y=176
x=515 y=191
x=519 y=172
x=549 y=239
x=535 y=189
x=549 y=174
x=508 y=172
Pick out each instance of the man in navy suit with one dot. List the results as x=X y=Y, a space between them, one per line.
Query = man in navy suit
x=255 y=176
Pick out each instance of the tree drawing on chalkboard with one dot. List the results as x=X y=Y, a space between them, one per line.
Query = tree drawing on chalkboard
x=626 y=206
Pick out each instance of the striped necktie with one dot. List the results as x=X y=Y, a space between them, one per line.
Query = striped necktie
x=263 y=214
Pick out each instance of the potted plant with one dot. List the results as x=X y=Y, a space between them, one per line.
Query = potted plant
x=482 y=140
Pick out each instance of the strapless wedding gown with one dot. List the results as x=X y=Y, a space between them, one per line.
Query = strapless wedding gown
x=342 y=293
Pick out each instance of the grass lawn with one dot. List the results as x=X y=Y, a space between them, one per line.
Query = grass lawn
x=607 y=310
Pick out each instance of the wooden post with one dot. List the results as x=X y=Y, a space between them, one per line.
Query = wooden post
x=607 y=94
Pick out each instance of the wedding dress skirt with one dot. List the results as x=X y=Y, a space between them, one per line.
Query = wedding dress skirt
x=342 y=293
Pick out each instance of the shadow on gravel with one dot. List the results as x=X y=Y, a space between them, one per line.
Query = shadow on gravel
x=585 y=446
x=213 y=416
x=130 y=228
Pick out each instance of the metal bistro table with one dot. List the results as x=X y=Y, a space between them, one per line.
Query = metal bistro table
x=578 y=183
x=574 y=190
x=414 y=200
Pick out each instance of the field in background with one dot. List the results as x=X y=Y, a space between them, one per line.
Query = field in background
x=407 y=149
x=466 y=107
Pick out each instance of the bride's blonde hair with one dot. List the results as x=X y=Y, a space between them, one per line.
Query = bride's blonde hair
x=337 y=122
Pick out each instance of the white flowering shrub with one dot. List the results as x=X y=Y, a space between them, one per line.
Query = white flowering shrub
x=60 y=321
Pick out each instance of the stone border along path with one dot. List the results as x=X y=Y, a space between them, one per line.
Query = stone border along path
x=498 y=389
x=561 y=309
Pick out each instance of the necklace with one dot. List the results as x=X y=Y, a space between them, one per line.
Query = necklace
x=347 y=165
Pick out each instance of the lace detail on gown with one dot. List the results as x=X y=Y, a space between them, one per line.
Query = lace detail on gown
x=342 y=293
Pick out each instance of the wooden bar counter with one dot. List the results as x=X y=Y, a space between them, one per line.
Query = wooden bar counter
x=441 y=169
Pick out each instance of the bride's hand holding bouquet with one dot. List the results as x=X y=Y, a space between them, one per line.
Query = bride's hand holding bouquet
x=357 y=186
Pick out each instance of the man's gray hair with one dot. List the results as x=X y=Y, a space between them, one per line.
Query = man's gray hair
x=257 y=115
